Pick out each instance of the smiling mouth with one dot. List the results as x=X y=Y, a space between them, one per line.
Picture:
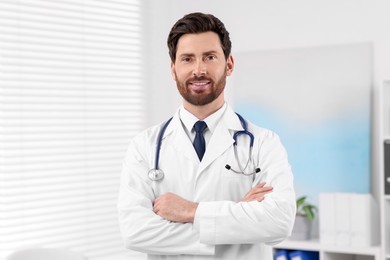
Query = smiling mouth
x=199 y=85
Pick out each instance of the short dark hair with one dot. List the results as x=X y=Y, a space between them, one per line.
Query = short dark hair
x=198 y=23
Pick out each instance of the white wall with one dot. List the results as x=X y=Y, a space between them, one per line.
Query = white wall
x=256 y=25
x=162 y=97
x=264 y=25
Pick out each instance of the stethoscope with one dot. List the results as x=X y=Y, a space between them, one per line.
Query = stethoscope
x=157 y=174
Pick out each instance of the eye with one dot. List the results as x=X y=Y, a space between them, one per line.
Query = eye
x=186 y=59
x=211 y=57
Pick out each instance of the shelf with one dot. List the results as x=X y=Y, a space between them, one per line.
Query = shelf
x=372 y=250
x=307 y=245
x=314 y=245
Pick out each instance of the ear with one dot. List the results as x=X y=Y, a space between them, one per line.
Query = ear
x=173 y=71
x=229 y=65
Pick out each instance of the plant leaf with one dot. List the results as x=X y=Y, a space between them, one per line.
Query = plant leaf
x=309 y=211
x=300 y=201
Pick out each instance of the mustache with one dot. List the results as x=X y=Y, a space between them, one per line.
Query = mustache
x=196 y=78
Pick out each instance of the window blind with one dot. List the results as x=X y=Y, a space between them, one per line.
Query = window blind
x=71 y=97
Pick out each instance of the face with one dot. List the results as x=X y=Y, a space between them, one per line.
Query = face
x=200 y=68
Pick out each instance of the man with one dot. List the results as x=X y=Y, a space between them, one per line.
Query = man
x=213 y=201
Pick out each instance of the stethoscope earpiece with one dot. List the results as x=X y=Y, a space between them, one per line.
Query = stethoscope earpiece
x=229 y=168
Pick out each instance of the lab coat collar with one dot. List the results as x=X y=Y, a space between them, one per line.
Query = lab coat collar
x=180 y=140
x=229 y=118
x=232 y=122
x=188 y=120
x=221 y=140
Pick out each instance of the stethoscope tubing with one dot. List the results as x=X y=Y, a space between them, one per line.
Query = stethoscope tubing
x=157 y=174
x=159 y=141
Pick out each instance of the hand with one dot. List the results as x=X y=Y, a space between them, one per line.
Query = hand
x=257 y=193
x=174 y=208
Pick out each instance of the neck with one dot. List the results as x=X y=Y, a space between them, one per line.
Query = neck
x=201 y=112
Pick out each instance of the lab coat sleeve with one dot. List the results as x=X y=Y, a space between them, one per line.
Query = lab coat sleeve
x=269 y=221
x=141 y=229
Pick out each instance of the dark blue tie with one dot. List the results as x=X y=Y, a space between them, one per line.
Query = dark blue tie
x=199 y=142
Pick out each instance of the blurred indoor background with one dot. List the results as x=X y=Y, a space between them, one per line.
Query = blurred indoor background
x=79 y=78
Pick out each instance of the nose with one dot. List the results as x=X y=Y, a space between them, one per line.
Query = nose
x=199 y=68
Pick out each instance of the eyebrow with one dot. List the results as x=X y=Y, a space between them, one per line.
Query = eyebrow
x=203 y=54
x=210 y=52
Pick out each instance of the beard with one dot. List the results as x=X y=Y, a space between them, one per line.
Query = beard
x=203 y=97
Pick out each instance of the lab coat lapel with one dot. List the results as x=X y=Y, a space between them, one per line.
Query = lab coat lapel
x=222 y=138
x=179 y=139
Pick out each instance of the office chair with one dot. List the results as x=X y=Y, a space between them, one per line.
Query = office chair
x=45 y=254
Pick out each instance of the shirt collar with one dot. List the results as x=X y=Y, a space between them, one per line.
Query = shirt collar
x=212 y=120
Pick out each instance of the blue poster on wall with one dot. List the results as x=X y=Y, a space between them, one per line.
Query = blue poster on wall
x=318 y=101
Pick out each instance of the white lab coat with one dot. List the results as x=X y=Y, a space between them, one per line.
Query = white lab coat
x=224 y=227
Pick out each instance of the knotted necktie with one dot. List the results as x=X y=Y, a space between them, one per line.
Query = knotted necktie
x=199 y=142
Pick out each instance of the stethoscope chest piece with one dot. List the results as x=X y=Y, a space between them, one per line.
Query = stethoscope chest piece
x=156 y=174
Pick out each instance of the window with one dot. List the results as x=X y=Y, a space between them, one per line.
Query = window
x=71 y=97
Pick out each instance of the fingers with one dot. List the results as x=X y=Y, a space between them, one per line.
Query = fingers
x=159 y=202
x=257 y=193
x=260 y=185
x=155 y=206
x=174 y=208
x=262 y=189
x=257 y=196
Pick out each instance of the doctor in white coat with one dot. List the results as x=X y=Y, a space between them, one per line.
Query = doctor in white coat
x=202 y=209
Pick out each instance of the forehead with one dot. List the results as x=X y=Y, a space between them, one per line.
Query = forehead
x=196 y=43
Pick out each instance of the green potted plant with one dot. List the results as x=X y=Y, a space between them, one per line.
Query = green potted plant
x=306 y=213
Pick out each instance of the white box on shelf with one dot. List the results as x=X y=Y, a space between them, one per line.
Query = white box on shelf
x=327 y=218
x=343 y=214
x=348 y=219
x=364 y=220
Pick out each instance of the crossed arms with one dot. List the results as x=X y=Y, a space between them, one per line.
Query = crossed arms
x=176 y=209
x=170 y=224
